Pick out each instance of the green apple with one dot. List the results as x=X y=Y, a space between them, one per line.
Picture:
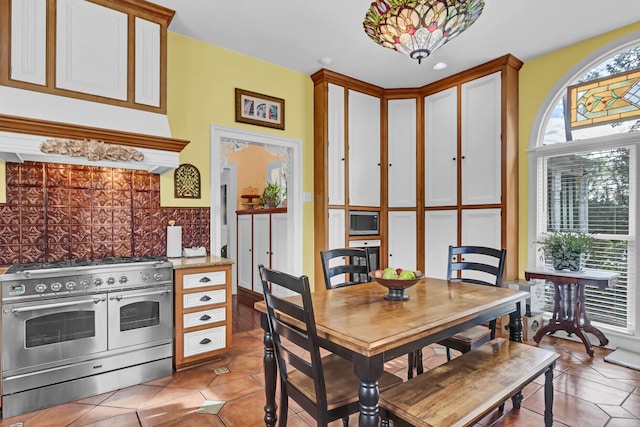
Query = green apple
x=389 y=273
x=407 y=275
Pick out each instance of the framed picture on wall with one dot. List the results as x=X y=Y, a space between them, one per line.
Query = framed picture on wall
x=257 y=109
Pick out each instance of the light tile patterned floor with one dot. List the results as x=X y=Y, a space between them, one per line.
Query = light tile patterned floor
x=588 y=392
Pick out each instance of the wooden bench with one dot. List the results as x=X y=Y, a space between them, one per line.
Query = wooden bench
x=463 y=391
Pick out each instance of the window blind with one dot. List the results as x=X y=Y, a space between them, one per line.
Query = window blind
x=591 y=192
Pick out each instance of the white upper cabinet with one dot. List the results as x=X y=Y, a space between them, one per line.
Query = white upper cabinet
x=441 y=148
x=91 y=49
x=147 y=62
x=364 y=149
x=336 y=163
x=481 y=141
x=110 y=52
x=29 y=41
x=402 y=240
x=401 y=149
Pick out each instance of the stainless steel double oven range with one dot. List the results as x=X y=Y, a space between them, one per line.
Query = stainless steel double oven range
x=76 y=328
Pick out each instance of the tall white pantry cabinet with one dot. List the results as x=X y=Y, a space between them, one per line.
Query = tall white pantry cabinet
x=447 y=170
x=262 y=239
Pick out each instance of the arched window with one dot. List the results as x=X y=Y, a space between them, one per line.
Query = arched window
x=585 y=176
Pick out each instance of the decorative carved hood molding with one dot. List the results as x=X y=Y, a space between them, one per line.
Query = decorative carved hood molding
x=28 y=118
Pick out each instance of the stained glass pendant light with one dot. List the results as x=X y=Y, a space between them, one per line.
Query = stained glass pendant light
x=419 y=27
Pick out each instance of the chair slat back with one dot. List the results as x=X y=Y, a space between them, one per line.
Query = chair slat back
x=300 y=346
x=494 y=266
x=351 y=264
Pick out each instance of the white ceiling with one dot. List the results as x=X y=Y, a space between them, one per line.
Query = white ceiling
x=297 y=33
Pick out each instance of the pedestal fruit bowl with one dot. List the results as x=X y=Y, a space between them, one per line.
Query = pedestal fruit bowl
x=396 y=283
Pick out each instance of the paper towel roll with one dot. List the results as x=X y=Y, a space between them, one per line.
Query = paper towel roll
x=174 y=241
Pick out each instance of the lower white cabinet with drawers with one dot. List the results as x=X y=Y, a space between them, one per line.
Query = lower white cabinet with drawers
x=202 y=314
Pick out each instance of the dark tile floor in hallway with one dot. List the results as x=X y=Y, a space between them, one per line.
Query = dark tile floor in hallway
x=588 y=392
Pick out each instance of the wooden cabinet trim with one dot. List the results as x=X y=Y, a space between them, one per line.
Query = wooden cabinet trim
x=52 y=129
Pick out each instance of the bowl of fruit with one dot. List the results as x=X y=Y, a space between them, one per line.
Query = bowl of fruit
x=396 y=280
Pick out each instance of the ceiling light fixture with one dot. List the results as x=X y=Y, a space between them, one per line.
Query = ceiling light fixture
x=419 y=27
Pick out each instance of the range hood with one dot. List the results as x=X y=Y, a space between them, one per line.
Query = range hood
x=29 y=118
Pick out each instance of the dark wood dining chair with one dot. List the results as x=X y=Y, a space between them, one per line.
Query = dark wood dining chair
x=325 y=387
x=353 y=267
x=482 y=266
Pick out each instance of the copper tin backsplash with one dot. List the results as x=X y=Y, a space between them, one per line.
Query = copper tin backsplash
x=56 y=212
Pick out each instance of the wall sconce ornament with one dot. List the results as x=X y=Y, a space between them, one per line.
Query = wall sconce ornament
x=91 y=149
x=186 y=182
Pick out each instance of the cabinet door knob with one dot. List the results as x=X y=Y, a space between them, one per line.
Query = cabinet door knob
x=454 y=159
x=390 y=165
x=205 y=317
x=205 y=298
x=205 y=341
x=205 y=279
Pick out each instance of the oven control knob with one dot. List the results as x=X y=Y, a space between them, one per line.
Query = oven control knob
x=123 y=279
x=157 y=276
x=84 y=284
x=55 y=287
x=111 y=280
x=41 y=287
x=97 y=282
x=70 y=285
x=145 y=277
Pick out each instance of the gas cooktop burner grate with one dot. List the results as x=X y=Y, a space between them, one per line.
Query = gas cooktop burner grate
x=69 y=263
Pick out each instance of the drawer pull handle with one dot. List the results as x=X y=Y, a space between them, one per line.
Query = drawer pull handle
x=205 y=279
x=205 y=298
x=205 y=317
x=205 y=341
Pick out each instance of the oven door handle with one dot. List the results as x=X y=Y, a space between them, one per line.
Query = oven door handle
x=57 y=305
x=142 y=294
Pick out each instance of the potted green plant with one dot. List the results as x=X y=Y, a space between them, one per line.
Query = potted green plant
x=271 y=196
x=567 y=250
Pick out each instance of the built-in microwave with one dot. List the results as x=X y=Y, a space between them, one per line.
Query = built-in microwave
x=364 y=223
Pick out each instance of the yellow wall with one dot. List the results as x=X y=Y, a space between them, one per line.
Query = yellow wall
x=201 y=91
x=537 y=78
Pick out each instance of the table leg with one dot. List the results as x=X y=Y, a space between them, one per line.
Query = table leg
x=586 y=324
x=515 y=325
x=515 y=334
x=570 y=316
x=368 y=370
x=270 y=374
x=548 y=396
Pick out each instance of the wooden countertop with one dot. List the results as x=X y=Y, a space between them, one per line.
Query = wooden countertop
x=202 y=261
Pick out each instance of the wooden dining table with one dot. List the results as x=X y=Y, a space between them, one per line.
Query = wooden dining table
x=357 y=323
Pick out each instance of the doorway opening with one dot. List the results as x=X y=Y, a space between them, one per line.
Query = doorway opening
x=223 y=141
